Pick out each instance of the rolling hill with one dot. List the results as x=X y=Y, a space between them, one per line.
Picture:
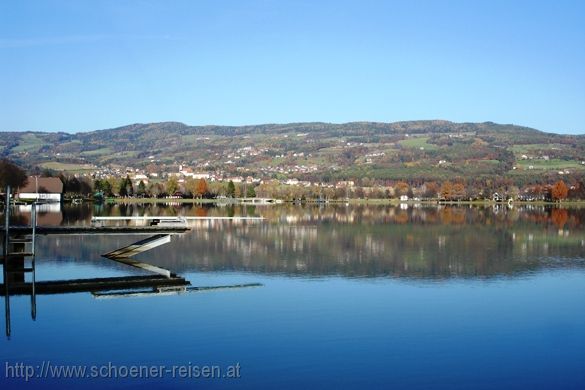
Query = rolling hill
x=413 y=150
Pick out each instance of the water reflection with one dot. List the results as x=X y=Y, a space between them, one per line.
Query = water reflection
x=361 y=241
x=433 y=322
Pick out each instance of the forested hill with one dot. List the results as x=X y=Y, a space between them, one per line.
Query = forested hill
x=401 y=150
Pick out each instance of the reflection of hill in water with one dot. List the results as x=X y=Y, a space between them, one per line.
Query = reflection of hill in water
x=361 y=241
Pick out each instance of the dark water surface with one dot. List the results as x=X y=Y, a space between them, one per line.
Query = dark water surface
x=351 y=297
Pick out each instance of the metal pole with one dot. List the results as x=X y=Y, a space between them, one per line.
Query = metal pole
x=33 y=225
x=33 y=297
x=6 y=223
x=5 y=274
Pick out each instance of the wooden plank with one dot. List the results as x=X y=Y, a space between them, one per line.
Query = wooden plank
x=139 y=246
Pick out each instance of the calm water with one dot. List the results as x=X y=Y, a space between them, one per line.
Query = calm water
x=352 y=297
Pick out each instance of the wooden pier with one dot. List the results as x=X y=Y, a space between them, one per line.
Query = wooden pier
x=95 y=285
x=45 y=230
x=160 y=281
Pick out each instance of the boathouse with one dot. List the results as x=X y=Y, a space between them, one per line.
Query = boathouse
x=46 y=189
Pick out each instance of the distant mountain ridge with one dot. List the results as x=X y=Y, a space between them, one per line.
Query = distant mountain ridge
x=397 y=150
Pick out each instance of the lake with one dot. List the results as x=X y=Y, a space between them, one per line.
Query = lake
x=351 y=297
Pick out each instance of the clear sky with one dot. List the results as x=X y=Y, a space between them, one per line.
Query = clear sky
x=86 y=65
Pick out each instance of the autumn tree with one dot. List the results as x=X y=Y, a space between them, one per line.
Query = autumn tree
x=201 y=189
x=239 y=191
x=447 y=190
x=401 y=188
x=431 y=190
x=559 y=191
x=458 y=191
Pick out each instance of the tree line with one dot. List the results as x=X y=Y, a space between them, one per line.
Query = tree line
x=448 y=190
x=191 y=188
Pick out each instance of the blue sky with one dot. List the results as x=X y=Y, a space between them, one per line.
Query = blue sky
x=86 y=65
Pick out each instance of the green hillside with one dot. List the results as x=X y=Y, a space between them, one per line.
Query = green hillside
x=429 y=150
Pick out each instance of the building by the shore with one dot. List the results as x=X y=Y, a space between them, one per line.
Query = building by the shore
x=46 y=189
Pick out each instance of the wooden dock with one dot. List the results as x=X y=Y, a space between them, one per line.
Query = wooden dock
x=163 y=282
x=82 y=229
x=94 y=285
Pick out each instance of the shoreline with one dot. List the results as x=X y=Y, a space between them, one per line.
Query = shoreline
x=389 y=202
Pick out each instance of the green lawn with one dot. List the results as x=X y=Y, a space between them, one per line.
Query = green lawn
x=417 y=143
x=97 y=152
x=552 y=164
x=72 y=144
x=58 y=166
x=29 y=143
x=531 y=148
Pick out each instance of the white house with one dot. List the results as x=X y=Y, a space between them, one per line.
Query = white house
x=201 y=175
